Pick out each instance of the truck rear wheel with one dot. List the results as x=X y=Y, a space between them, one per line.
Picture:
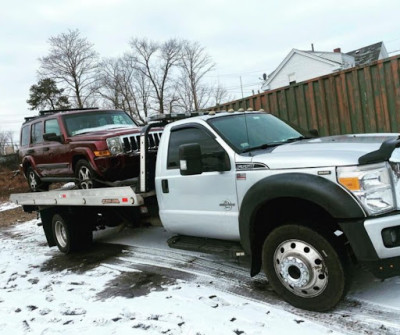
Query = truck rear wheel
x=304 y=268
x=70 y=236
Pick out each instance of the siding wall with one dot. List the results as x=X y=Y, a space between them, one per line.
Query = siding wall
x=303 y=68
x=358 y=100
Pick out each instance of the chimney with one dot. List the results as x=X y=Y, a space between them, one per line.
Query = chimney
x=337 y=50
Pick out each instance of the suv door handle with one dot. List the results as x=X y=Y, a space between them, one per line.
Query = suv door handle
x=30 y=151
x=164 y=186
x=46 y=149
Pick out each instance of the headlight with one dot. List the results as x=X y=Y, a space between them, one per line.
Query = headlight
x=371 y=184
x=114 y=145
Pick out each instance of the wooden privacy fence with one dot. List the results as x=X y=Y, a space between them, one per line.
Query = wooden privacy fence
x=359 y=100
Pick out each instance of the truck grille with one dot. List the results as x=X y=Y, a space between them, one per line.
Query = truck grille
x=131 y=143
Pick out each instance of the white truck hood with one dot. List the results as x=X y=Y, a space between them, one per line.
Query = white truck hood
x=321 y=152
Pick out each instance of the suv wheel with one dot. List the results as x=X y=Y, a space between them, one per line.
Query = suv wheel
x=34 y=182
x=85 y=175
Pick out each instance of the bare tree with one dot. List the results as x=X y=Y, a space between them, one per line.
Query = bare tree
x=195 y=63
x=156 y=61
x=122 y=85
x=6 y=140
x=71 y=62
x=220 y=95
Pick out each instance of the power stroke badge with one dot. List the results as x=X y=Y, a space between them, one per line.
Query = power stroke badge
x=227 y=205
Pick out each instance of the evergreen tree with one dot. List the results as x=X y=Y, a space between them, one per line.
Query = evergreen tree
x=46 y=95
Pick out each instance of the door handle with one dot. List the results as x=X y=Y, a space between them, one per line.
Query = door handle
x=46 y=149
x=30 y=151
x=164 y=186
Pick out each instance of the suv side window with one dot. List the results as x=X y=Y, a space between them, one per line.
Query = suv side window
x=209 y=147
x=37 y=132
x=25 y=136
x=51 y=126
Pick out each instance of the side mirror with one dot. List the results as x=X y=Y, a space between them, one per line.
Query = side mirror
x=190 y=159
x=313 y=132
x=52 y=137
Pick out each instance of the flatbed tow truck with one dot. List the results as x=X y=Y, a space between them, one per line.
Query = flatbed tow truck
x=303 y=208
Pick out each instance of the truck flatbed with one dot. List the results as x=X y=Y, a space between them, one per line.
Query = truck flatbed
x=110 y=196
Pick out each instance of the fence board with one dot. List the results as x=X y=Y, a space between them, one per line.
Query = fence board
x=358 y=100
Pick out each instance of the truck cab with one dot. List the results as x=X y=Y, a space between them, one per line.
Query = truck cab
x=301 y=206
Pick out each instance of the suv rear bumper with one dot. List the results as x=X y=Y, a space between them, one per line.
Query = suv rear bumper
x=366 y=240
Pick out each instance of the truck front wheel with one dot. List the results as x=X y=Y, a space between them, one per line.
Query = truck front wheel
x=70 y=236
x=304 y=268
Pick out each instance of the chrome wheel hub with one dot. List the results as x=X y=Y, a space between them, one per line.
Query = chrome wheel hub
x=300 y=268
x=61 y=233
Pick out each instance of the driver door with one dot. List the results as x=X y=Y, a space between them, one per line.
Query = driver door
x=203 y=205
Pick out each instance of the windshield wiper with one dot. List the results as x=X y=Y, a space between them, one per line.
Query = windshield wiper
x=262 y=146
x=274 y=144
x=294 y=139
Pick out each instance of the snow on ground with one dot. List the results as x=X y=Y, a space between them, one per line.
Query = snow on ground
x=37 y=300
x=7 y=205
x=365 y=286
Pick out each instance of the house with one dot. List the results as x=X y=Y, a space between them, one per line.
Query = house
x=301 y=65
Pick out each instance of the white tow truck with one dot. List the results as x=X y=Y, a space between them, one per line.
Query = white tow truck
x=302 y=207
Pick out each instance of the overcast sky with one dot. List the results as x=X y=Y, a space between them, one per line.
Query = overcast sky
x=244 y=38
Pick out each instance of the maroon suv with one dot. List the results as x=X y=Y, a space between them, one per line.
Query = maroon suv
x=91 y=147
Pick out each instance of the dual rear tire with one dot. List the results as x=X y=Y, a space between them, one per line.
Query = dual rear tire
x=70 y=235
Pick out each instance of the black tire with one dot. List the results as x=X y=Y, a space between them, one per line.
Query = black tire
x=69 y=235
x=85 y=175
x=304 y=268
x=34 y=182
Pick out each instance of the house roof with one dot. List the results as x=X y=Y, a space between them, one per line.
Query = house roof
x=366 y=54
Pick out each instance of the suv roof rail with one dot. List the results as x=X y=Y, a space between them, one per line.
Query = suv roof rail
x=52 y=111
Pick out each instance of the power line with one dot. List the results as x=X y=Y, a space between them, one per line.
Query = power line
x=396 y=39
x=234 y=74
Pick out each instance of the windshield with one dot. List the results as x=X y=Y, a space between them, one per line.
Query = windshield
x=245 y=132
x=95 y=121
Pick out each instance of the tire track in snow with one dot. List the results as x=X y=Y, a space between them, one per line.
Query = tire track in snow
x=224 y=273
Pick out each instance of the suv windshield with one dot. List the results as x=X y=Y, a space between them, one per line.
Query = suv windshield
x=94 y=121
x=251 y=131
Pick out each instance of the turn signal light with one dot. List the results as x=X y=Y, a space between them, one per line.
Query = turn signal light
x=352 y=184
x=102 y=153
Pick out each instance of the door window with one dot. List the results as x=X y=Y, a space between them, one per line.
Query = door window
x=51 y=126
x=37 y=132
x=210 y=148
x=25 y=136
